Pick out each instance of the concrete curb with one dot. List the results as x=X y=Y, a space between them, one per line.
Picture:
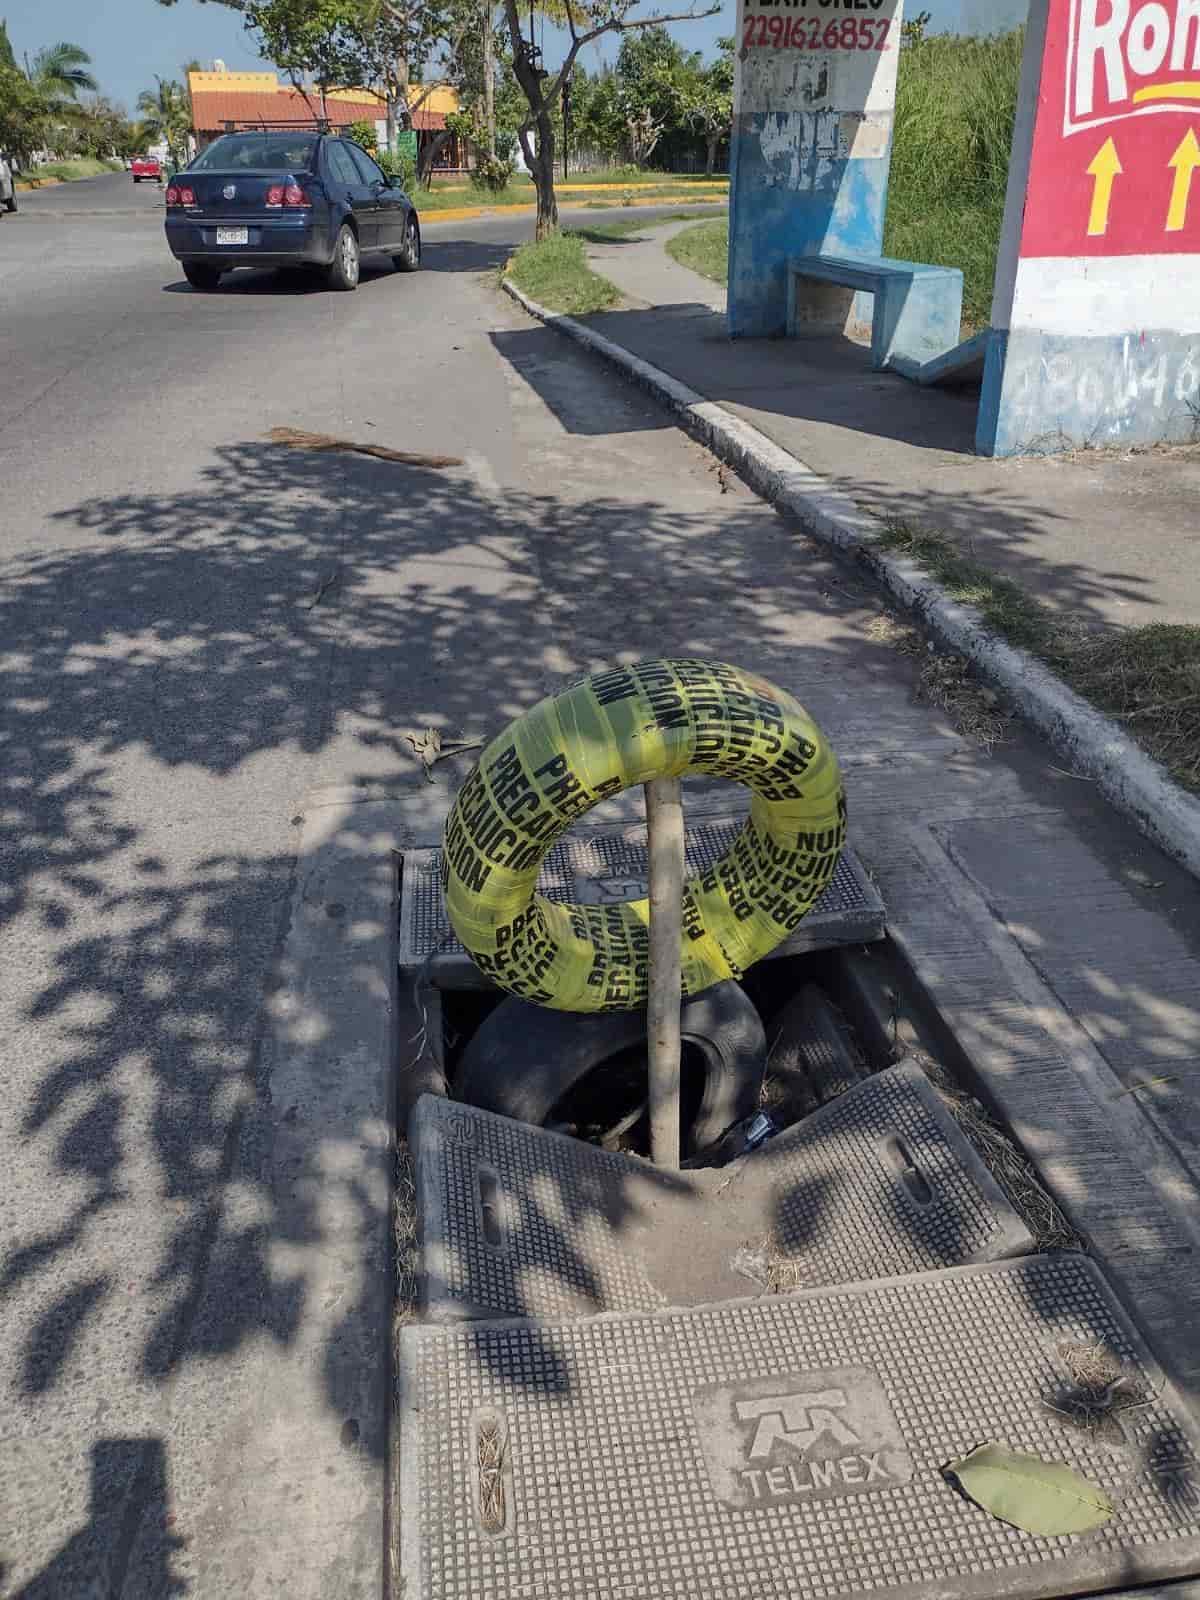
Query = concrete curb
x=1091 y=742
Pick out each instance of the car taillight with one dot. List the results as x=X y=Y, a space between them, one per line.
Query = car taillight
x=275 y=195
x=187 y=197
x=294 y=195
x=173 y=196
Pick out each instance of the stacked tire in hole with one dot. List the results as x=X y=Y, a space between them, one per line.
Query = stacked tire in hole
x=612 y=731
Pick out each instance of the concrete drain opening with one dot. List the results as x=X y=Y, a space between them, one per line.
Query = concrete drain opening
x=750 y=1376
x=607 y=1106
x=517 y=1221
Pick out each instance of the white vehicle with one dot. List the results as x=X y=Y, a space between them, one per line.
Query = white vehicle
x=8 y=188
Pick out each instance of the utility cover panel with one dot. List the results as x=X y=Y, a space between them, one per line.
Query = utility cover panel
x=604 y=868
x=516 y=1221
x=791 y=1445
x=800 y=1436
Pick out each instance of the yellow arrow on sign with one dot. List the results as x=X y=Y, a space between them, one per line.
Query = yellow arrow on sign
x=1106 y=164
x=1185 y=161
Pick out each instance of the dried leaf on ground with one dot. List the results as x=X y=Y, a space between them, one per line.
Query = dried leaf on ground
x=301 y=439
x=430 y=748
x=492 y=1509
x=1046 y=1498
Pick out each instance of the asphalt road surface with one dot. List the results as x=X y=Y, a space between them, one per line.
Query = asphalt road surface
x=198 y=628
x=112 y=194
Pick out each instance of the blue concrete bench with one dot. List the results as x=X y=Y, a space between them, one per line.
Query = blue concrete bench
x=917 y=311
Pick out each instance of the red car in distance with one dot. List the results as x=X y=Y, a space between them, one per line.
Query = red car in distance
x=145 y=167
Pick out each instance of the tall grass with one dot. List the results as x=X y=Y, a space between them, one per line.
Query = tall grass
x=956 y=102
x=65 y=171
x=555 y=272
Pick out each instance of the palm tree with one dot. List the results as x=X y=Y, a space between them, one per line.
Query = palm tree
x=59 y=72
x=166 y=115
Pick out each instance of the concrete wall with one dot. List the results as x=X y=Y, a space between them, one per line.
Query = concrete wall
x=814 y=97
x=1096 y=311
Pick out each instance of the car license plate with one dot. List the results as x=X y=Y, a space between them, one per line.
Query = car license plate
x=233 y=235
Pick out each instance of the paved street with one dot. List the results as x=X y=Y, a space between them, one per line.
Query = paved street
x=199 y=628
x=115 y=192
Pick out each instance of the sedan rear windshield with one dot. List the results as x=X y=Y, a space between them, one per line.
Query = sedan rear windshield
x=251 y=152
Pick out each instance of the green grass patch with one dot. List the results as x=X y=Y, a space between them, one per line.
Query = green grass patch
x=1148 y=677
x=956 y=102
x=607 y=232
x=67 y=171
x=518 y=194
x=437 y=199
x=585 y=180
x=705 y=249
x=556 y=274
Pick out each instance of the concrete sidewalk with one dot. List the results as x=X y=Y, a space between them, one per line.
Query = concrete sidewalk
x=1108 y=538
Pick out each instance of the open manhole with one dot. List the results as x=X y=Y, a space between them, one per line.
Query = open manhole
x=608 y=1106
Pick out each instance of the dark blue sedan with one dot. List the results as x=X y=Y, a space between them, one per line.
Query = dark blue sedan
x=288 y=200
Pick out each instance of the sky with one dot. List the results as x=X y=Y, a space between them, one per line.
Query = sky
x=132 y=41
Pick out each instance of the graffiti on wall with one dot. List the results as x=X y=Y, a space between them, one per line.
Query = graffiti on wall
x=1049 y=391
x=814 y=93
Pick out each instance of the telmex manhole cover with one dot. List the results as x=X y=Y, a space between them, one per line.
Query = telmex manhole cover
x=790 y=1445
x=611 y=866
x=516 y=1221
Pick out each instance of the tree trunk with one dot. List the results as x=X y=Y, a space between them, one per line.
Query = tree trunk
x=710 y=158
x=541 y=165
x=543 y=178
x=489 y=80
x=429 y=155
x=391 y=125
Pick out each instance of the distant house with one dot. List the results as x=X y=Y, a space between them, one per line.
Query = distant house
x=225 y=102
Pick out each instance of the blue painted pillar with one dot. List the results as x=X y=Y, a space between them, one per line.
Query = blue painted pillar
x=814 y=98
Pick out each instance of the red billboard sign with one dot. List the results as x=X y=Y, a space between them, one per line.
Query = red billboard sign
x=1116 y=142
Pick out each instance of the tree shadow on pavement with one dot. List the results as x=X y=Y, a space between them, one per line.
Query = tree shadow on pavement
x=1008 y=529
x=462 y=255
x=305 y=610
x=109 y=1548
x=295 y=614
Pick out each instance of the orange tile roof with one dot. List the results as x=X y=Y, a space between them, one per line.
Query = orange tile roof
x=212 y=109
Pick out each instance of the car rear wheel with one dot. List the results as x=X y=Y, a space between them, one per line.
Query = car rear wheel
x=409 y=257
x=11 y=203
x=201 y=276
x=343 y=269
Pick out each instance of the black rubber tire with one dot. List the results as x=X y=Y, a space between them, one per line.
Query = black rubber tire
x=523 y=1058
x=136 y=179
x=409 y=259
x=202 y=276
x=811 y=1058
x=10 y=204
x=339 y=274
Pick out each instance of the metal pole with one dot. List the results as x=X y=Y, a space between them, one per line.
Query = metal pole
x=664 y=831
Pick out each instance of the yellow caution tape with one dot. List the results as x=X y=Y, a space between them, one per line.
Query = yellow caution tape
x=614 y=730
